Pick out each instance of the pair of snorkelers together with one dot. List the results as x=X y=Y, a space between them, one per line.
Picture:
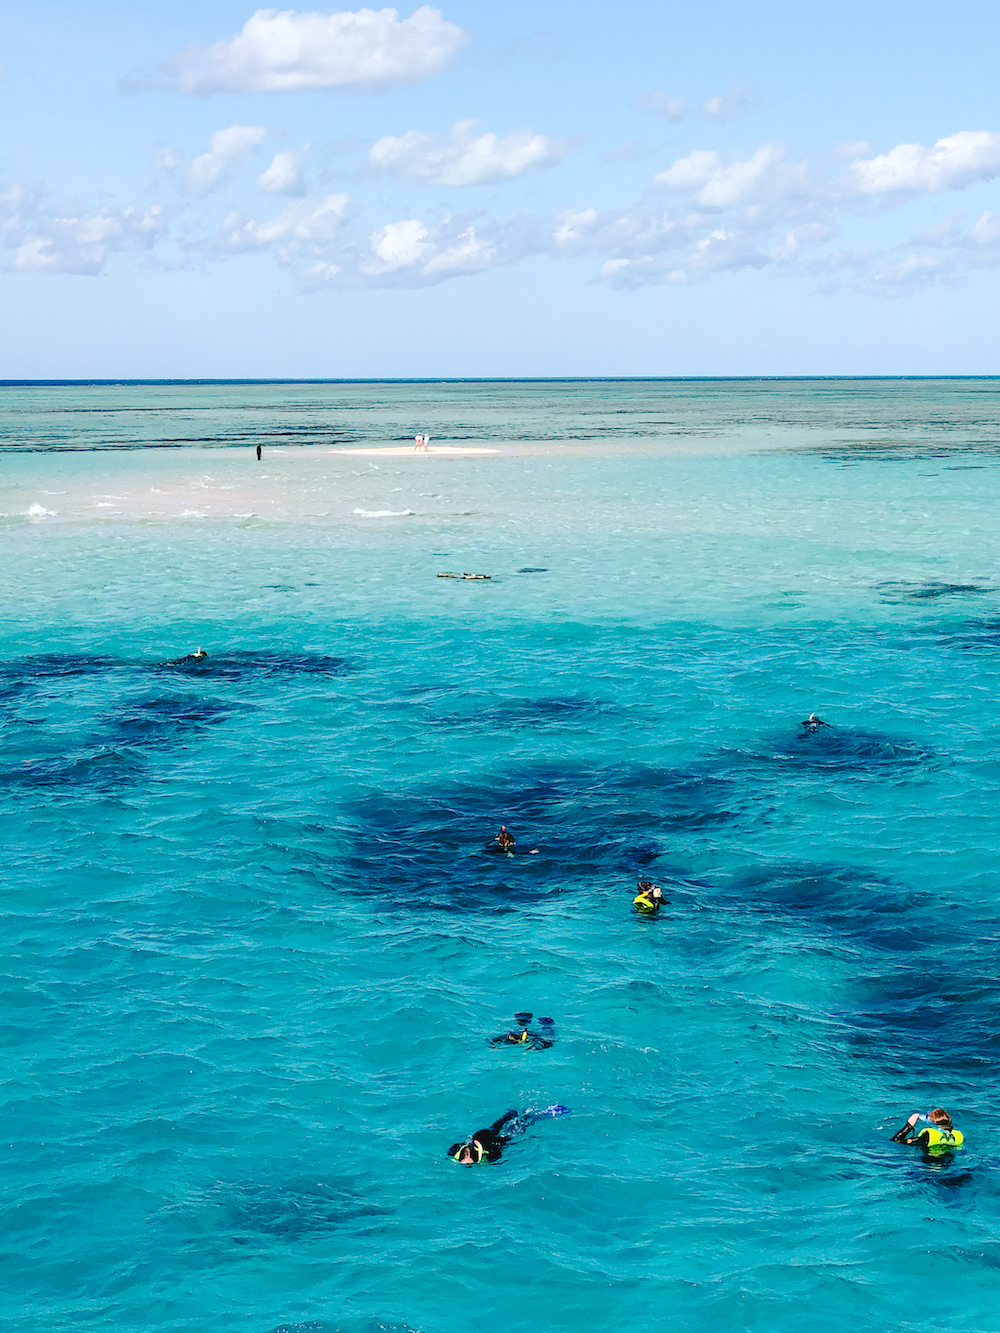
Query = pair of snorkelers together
x=647 y=901
x=486 y=1145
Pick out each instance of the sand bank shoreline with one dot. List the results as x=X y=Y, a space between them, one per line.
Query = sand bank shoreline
x=406 y=451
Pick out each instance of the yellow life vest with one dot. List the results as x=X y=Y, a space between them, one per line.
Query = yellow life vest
x=642 y=902
x=941 y=1140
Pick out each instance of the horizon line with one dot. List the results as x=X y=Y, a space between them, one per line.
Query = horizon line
x=117 y=382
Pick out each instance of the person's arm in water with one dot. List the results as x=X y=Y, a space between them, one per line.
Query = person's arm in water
x=905 y=1135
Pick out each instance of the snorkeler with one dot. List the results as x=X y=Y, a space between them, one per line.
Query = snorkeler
x=649 y=899
x=812 y=722
x=503 y=842
x=486 y=1145
x=198 y=656
x=524 y=1038
x=936 y=1134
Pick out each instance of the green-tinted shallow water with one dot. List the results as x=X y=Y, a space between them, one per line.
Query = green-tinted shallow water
x=253 y=949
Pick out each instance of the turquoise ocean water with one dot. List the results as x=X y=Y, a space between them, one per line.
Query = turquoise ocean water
x=253 y=949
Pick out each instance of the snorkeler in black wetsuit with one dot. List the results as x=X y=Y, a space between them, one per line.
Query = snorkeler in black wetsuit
x=198 y=656
x=486 y=1145
x=813 y=723
x=524 y=1038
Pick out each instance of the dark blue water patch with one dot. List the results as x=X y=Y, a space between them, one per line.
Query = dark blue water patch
x=833 y=749
x=940 y=1020
x=164 y=719
x=924 y=999
x=375 y=1325
x=23 y=674
x=904 y=591
x=846 y=901
x=571 y=824
x=532 y=569
x=295 y=1210
x=264 y=664
x=973 y=636
x=889 y=449
x=103 y=769
x=490 y=713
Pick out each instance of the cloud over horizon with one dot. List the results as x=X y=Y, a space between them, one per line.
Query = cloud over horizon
x=69 y=238
x=723 y=213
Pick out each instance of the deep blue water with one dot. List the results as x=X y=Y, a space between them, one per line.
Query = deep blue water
x=254 y=948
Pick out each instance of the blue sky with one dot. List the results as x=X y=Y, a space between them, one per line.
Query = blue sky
x=517 y=189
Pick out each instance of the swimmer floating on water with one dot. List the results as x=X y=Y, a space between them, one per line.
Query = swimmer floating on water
x=934 y=1133
x=198 y=656
x=504 y=842
x=649 y=899
x=486 y=1145
x=812 y=722
x=524 y=1038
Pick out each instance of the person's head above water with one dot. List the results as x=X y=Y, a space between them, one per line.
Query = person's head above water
x=468 y=1154
x=940 y=1117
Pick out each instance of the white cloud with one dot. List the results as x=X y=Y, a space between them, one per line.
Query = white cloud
x=574 y=224
x=227 y=149
x=468 y=253
x=463 y=157
x=955 y=161
x=308 y=226
x=986 y=230
x=718 y=185
x=399 y=245
x=283 y=175
x=72 y=240
x=291 y=50
x=416 y=254
x=691 y=172
x=671 y=108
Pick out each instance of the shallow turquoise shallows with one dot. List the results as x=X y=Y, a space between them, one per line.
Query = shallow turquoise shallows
x=255 y=948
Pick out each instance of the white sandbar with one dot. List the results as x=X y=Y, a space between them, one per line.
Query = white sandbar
x=402 y=451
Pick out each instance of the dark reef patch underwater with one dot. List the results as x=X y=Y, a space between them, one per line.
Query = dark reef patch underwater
x=572 y=826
